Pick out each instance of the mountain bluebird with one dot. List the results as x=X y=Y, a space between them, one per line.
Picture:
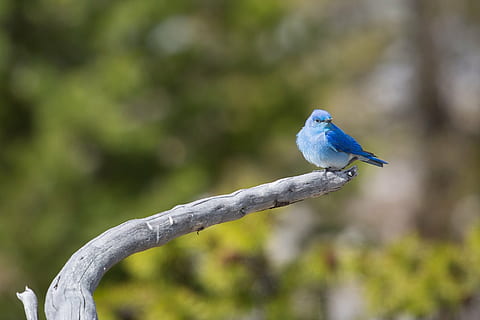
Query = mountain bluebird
x=325 y=145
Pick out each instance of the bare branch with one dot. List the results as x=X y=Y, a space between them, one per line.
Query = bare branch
x=70 y=294
x=30 y=303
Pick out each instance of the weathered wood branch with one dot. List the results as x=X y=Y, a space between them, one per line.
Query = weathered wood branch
x=70 y=294
x=30 y=303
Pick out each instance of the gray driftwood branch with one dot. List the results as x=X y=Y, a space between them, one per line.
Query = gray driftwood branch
x=70 y=293
x=30 y=303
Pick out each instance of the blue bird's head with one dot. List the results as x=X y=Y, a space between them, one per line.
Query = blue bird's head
x=319 y=119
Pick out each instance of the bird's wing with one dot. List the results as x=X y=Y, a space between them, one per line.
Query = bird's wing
x=340 y=141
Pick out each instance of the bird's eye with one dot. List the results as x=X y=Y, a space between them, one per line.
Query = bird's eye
x=317 y=120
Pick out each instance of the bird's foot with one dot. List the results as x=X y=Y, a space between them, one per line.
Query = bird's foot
x=326 y=170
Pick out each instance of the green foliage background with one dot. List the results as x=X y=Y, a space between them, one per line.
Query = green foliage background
x=113 y=110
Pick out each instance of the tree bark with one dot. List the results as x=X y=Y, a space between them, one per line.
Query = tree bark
x=70 y=293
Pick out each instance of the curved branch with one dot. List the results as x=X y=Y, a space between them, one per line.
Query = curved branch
x=70 y=294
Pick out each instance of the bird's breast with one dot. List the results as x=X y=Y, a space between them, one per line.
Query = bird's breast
x=317 y=150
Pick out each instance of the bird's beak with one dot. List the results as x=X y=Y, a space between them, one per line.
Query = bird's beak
x=328 y=120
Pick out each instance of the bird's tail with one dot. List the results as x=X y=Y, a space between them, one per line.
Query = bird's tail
x=370 y=158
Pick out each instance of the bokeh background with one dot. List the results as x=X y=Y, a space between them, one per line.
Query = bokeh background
x=113 y=110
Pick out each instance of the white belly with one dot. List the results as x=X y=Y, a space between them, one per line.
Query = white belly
x=317 y=151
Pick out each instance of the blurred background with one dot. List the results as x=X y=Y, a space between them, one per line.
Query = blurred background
x=114 y=110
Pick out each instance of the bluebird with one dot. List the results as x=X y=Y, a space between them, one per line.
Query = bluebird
x=325 y=145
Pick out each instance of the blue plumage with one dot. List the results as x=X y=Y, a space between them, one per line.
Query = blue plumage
x=325 y=145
